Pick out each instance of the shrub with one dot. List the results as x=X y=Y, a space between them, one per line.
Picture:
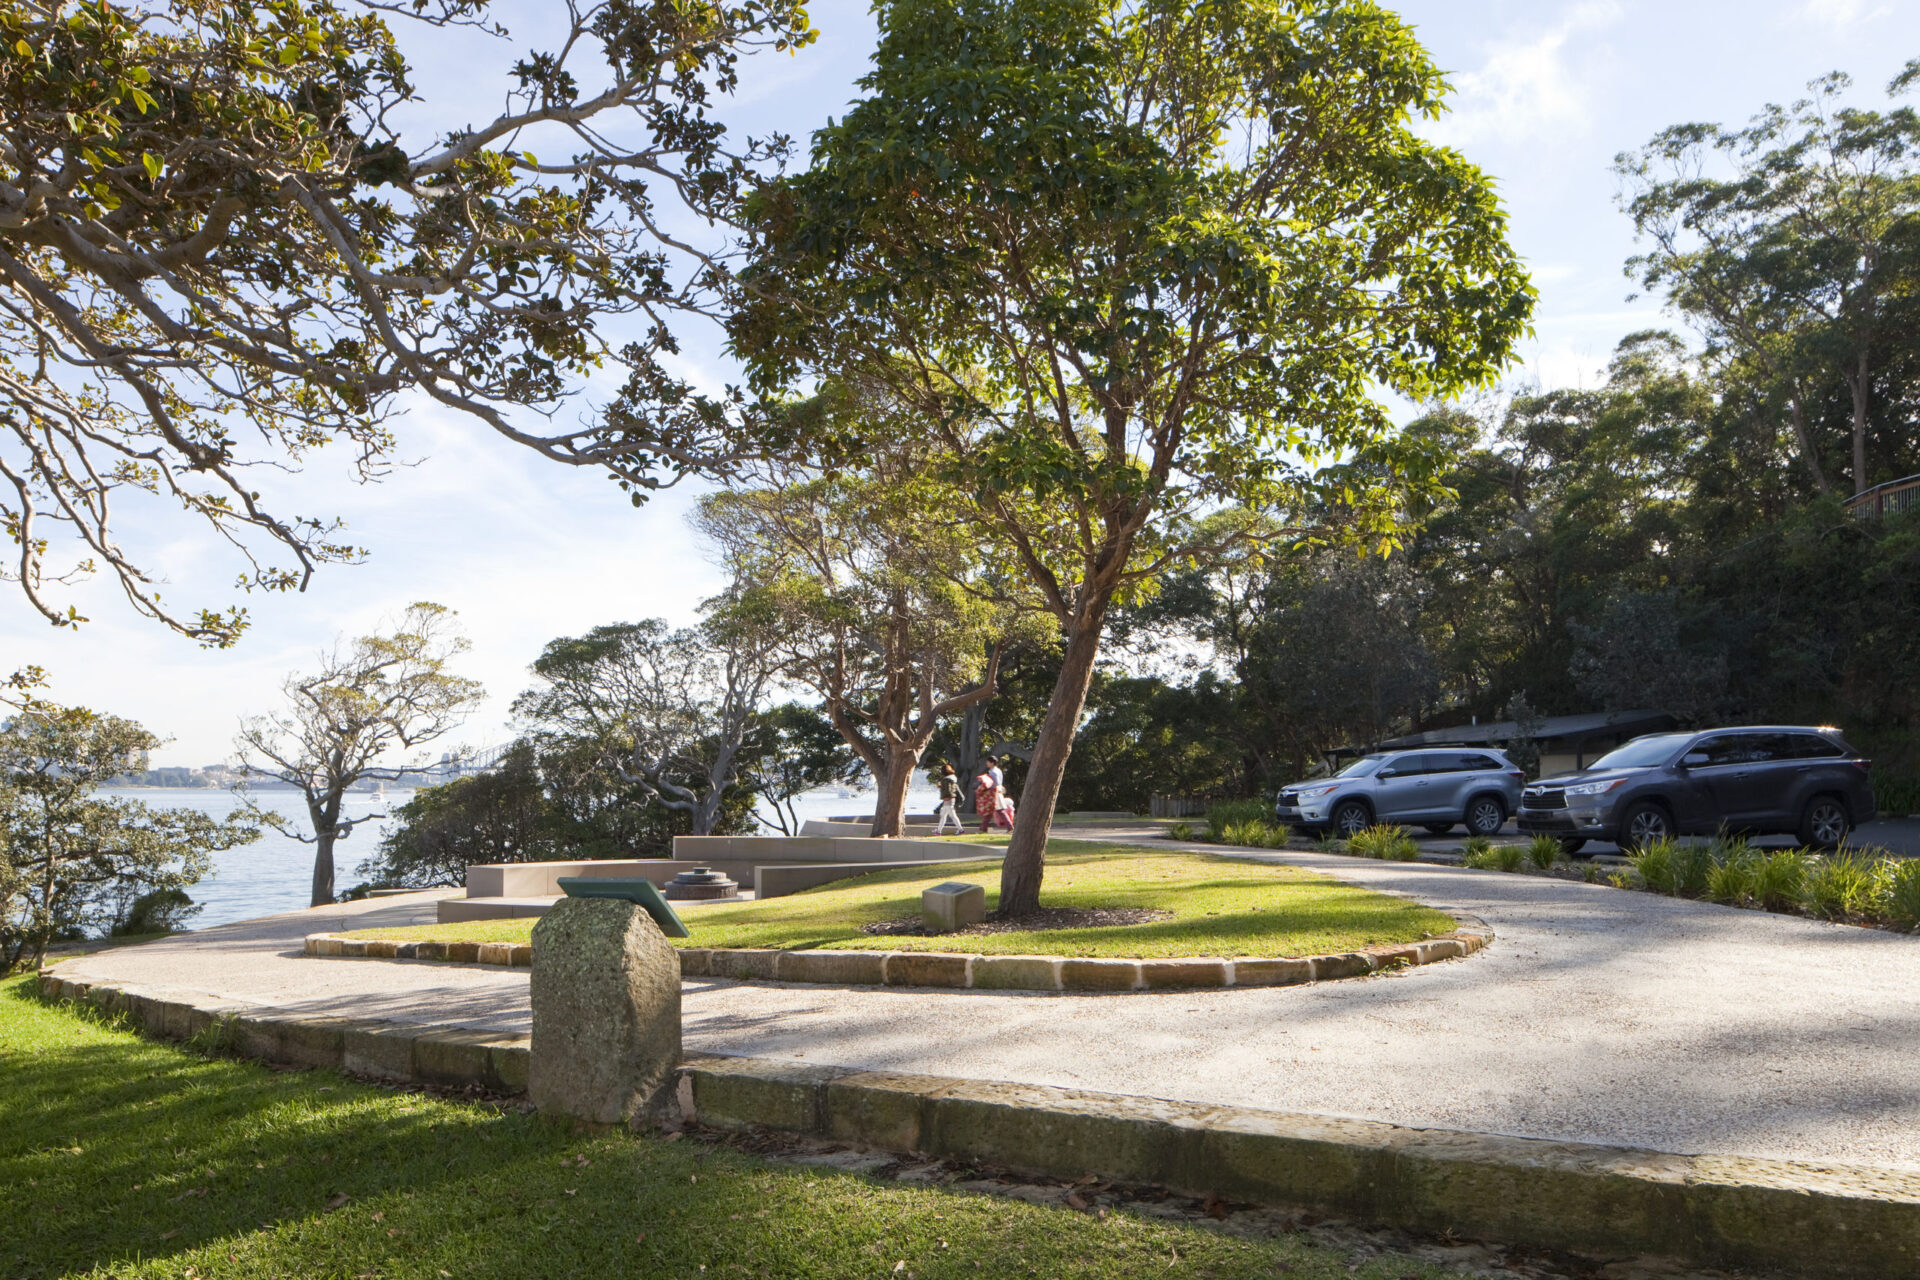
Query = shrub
x=1780 y=880
x=1733 y=876
x=1180 y=831
x=1255 y=833
x=1390 y=843
x=1482 y=856
x=1896 y=793
x=1222 y=814
x=1841 y=885
x=1330 y=844
x=1654 y=862
x=1900 y=892
x=1543 y=851
x=1509 y=857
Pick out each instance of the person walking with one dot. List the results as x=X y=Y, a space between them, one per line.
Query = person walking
x=949 y=802
x=986 y=799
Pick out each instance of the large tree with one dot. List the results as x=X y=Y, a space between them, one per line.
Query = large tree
x=1794 y=244
x=220 y=253
x=383 y=694
x=1129 y=261
x=877 y=596
x=675 y=714
x=71 y=862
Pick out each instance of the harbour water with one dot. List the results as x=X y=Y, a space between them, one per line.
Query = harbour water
x=276 y=872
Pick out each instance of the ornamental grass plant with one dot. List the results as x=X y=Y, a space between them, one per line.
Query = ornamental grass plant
x=1390 y=844
x=1543 y=852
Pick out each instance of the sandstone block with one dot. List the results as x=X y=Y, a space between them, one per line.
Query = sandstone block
x=740 y=962
x=1016 y=973
x=1349 y=964
x=1271 y=973
x=606 y=1012
x=953 y=905
x=853 y=968
x=1170 y=974
x=1099 y=975
x=926 y=969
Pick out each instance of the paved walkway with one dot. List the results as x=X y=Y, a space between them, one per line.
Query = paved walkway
x=1597 y=1015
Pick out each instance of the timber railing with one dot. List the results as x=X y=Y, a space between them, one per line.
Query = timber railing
x=1894 y=495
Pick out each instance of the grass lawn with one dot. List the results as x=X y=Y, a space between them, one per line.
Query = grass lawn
x=1221 y=906
x=128 y=1158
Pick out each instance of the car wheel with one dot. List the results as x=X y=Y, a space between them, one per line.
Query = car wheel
x=1572 y=847
x=1438 y=828
x=1645 y=824
x=1824 y=824
x=1486 y=815
x=1350 y=819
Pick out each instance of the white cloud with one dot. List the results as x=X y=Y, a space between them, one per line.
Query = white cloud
x=1841 y=13
x=1528 y=86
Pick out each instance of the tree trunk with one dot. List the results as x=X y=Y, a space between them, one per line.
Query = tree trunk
x=1860 y=388
x=326 y=819
x=890 y=801
x=1026 y=860
x=322 y=869
x=1798 y=415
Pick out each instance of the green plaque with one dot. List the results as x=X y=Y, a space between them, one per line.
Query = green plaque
x=635 y=889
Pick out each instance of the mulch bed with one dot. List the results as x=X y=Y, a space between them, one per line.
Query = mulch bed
x=1039 y=922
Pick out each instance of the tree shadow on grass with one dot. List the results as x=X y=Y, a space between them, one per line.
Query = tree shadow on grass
x=134 y=1157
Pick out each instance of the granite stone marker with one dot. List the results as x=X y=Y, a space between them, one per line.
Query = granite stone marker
x=606 y=1013
x=950 y=906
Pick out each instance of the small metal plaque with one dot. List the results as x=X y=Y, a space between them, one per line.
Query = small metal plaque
x=628 y=889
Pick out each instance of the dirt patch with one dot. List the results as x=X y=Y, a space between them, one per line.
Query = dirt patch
x=1041 y=921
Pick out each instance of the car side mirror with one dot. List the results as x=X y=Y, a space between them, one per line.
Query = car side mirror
x=1387 y=773
x=1693 y=759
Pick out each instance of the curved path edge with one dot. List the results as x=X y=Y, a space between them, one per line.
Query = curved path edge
x=1826 y=1220
x=962 y=970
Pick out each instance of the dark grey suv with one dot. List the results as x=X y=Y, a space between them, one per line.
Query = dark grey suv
x=1431 y=789
x=1761 y=780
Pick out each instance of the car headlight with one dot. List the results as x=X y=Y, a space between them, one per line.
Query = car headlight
x=1314 y=793
x=1595 y=788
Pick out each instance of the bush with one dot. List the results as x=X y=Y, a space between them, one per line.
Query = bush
x=1481 y=854
x=1842 y=885
x=1235 y=813
x=161 y=911
x=1733 y=875
x=1330 y=844
x=1543 y=851
x=1679 y=870
x=1780 y=880
x=1895 y=793
x=1508 y=857
x=1392 y=844
x=1180 y=831
x=1900 y=891
x=1256 y=833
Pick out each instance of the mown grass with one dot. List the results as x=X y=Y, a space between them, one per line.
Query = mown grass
x=1221 y=907
x=127 y=1158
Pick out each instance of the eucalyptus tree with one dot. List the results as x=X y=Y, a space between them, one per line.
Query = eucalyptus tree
x=676 y=714
x=880 y=599
x=383 y=694
x=221 y=253
x=1131 y=261
x=1800 y=257
x=71 y=861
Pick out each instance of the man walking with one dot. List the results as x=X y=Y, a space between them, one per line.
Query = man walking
x=949 y=802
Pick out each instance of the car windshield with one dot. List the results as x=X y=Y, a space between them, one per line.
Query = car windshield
x=1360 y=768
x=1641 y=752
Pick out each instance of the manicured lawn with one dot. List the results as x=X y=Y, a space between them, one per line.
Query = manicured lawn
x=1221 y=907
x=128 y=1158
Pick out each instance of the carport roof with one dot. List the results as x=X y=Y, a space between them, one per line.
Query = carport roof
x=1610 y=723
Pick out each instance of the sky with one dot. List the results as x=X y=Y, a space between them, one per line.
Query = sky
x=525 y=550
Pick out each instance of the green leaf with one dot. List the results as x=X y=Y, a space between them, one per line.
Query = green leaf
x=152 y=164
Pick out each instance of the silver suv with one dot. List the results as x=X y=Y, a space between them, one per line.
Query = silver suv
x=1434 y=789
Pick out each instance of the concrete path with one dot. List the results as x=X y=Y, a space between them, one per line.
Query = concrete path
x=1597 y=1016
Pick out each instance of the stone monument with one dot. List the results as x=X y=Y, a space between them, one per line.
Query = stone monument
x=606 y=1013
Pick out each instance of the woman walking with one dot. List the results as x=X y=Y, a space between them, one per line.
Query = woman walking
x=986 y=799
x=949 y=802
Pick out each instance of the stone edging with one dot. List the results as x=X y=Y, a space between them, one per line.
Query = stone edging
x=1824 y=1220
x=957 y=970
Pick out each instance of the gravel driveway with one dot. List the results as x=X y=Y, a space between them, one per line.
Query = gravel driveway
x=1597 y=1015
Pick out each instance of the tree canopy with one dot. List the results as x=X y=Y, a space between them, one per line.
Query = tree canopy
x=1127 y=261
x=220 y=253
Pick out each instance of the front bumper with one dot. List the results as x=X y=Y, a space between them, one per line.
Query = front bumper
x=1587 y=824
x=1306 y=815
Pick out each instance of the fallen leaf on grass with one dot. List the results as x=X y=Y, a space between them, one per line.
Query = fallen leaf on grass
x=1076 y=1200
x=379 y=1217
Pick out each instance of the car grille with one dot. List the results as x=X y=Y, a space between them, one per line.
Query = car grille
x=1290 y=799
x=1543 y=800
